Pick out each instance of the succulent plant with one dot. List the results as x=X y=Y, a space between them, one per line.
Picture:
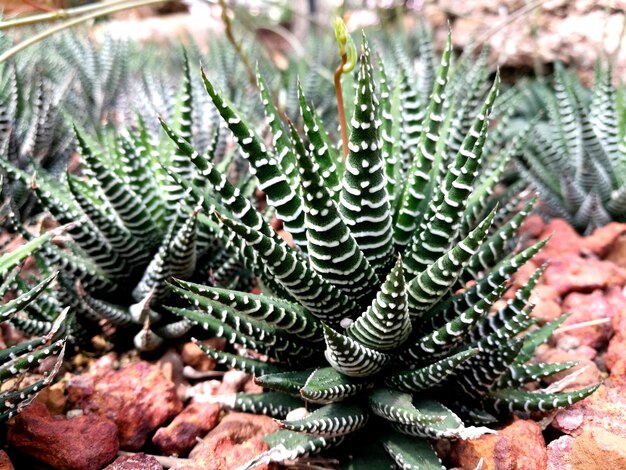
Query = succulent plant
x=370 y=317
x=135 y=230
x=32 y=126
x=576 y=160
x=17 y=389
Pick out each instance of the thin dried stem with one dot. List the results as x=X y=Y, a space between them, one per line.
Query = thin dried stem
x=69 y=24
x=576 y=326
x=340 y=108
x=57 y=14
x=228 y=29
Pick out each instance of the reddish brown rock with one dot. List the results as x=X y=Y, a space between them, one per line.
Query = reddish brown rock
x=5 y=461
x=615 y=296
x=560 y=453
x=547 y=303
x=591 y=375
x=617 y=254
x=605 y=408
x=519 y=445
x=180 y=435
x=587 y=308
x=54 y=398
x=601 y=242
x=138 y=398
x=236 y=428
x=598 y=449
x=226 y=454
x=533 y=226
x=564 y=241
x=193 y=356
x=546 y=311
x=573 y=273
x=81 y=443
x=615 y=353
x=615 y=356
x=138 y=461
x=171 y=364
x=618 y=373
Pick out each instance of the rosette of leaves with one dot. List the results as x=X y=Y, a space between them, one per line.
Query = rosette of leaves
x=575 y=160
x=32 y=125
x=368 y=318
x=134 y=230
x=17 y=389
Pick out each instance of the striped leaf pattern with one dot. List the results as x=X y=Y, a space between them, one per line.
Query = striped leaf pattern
x=415 y=189
x=575 y=160
x=364 y=201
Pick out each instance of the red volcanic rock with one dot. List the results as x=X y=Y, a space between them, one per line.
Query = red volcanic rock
x=605 y=408
x=564 y=241
x=139 y=398
x=138 y=461
x=238 y=428
x=81 y=443
x=598 y=449
x=587 y=308
x=226 y=454
x=573 y=273
x=193 y=356
x=602 y=241
x=594 y=449
x=547 y=303
x=519 y=445
x=195 y=421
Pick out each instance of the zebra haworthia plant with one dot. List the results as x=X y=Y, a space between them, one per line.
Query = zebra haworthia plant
x=369 y=318
x=17 y=361
x=577 y=160
x=135 y=231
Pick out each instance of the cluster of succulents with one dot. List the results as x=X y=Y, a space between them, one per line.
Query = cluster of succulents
x=380 y=316
x=135 y=231
x=369 y=318
x=575 y=160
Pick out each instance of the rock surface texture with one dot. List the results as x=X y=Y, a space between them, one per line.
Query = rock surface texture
x=80 y=443
x=574 y=32
x=138 y=398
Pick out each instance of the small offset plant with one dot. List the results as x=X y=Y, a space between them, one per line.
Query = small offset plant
x=17 y=389
x=368 y=318
x=134 y=230
x=577 y=161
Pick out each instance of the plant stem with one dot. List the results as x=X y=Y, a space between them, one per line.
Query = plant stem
x=340 y=108
x=228 y=29
x=58 y=14
x=68 y=24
